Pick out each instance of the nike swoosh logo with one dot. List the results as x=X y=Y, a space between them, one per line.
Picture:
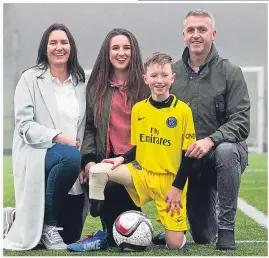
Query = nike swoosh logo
x=140 y=118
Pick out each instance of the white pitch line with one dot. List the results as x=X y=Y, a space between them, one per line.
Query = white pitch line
x=253 y=213
x=243 y=241
x=257 y=170
x=251 y=241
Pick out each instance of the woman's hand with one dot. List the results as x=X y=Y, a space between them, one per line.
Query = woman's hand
x=173 y=200
x=66 y=140
x=115 y=161
x=84 y=174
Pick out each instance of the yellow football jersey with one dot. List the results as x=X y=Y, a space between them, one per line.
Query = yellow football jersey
x=161 y=134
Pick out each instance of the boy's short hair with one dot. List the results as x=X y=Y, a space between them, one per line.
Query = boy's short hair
x=158 y=58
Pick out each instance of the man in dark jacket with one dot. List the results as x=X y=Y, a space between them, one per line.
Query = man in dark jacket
x=217 y=93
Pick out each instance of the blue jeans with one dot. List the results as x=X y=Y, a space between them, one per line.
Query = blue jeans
x=215 y=180
x=62 y=167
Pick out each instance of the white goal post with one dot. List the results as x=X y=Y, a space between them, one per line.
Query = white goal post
x=256 y=92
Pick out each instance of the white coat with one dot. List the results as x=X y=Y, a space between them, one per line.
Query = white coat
x=36 y=123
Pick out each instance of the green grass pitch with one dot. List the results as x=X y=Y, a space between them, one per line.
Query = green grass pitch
x=251 y=237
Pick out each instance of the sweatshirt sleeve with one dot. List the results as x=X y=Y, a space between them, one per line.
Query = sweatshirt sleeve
x=183 y=172
x=129 y=156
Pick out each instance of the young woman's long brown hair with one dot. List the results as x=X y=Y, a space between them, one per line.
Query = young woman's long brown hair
x=136 y=89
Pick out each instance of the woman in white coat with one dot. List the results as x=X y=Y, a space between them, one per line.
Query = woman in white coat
x=49 y=105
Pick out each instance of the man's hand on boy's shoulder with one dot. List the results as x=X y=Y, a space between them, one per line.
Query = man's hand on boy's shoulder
x=199 y=148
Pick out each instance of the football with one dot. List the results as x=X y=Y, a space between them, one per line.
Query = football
x=133 y=231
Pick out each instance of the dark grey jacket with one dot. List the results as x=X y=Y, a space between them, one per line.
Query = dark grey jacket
x=217 y=95
x=94 y=145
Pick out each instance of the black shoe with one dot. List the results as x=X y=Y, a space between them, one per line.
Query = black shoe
x=159 y=239
x=96 y=207
x=225 y=240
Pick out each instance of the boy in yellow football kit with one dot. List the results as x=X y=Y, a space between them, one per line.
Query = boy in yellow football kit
x=155 y=168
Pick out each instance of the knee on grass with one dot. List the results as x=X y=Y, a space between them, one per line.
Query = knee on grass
x=175 y=241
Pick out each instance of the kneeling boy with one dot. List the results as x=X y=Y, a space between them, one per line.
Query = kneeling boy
x=161 y=129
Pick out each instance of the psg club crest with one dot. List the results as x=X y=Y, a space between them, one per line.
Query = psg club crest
x=171 y=122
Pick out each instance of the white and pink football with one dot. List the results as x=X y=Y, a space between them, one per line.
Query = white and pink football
x=133 y=231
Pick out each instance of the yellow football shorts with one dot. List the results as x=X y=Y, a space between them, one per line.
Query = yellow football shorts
x=154 y=186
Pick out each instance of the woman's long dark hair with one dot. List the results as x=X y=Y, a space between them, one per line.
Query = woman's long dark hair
x=73 y=66
x=136 y=88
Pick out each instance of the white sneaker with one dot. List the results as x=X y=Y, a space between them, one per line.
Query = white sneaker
x=8 y=219
x=51 y=238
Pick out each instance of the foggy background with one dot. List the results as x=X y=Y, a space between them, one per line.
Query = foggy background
x=241 y=37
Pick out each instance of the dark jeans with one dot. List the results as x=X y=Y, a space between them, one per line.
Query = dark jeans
x=215 y=180
x=62 y=167
x=70 y=218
